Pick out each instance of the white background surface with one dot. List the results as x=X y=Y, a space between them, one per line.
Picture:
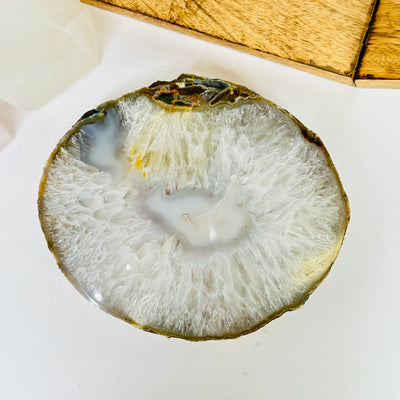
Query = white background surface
x=343 y=344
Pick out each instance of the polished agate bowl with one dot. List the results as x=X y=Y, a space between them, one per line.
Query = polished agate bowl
x=193 y=208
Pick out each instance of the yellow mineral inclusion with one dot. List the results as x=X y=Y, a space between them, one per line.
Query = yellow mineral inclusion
x=138 y=160
x=138 y=164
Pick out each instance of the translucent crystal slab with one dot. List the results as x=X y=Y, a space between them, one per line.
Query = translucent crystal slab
x=45 y=46
x=5 y=135
x=193 y=208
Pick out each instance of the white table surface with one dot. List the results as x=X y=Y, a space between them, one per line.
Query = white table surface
x=343 y=344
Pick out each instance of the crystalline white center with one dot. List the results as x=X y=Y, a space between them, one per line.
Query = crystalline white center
x=196 y=220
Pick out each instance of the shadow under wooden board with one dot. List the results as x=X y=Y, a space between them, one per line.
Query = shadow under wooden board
x=354 y=41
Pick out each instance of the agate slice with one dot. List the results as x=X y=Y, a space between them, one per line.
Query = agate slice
x=193 y=208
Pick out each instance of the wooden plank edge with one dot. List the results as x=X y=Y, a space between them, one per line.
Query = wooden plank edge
x=365 y=40
x=372 y=83
x=348 y=80
x=365 y=80
x=378 y=83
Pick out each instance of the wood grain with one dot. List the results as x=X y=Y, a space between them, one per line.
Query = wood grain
x=323 y=36
x=380 y=64
x=350 y=41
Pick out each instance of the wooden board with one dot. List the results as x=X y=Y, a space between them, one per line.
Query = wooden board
x=326 y=37
x=380 y=64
